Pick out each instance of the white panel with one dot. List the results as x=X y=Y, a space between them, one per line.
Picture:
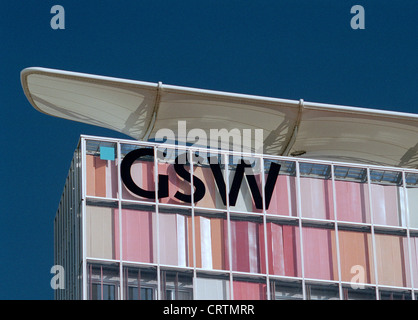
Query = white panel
x=211 y=289
x=206 y=243
x=181 y=240
x=100 y=232
x=413 y=208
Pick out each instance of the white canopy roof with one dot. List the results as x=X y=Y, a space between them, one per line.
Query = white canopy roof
x=139 y=109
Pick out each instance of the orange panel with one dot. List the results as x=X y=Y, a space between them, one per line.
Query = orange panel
x=205 y=174
x=100 y=177
x=90 y=173
x=218 y=243
x=355 y=256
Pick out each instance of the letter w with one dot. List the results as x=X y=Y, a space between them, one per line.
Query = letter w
x=236 y=183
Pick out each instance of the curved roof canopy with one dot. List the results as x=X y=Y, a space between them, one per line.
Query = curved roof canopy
x=139 y=109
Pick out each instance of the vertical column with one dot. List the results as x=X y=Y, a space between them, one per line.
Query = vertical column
x=263 y=195
x=83 y=215
x=299 y=208
x=225 y=158
x=408 y=236
x=372 y=233
x=337 y=243
x=158 y=222
x=190 y=157
x=121 y=275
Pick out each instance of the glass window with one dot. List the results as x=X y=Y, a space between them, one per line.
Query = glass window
x=103 y=282
x=356 y=257
x=102 y=225
x=387 y=198
x=365 y=293
x=210 y=175
x=140 y=284
x=316 y=191
x=319 y=252
x=285 y=290
x=137 y=173
x=391 y=255
x=395 y=295
x=245 y=185
x=175 y=237
x=176 y=285
x=280 y=191
x=283 y=245
x=174 y=165
x=212 y=288
x=352 y=194
x=322 y=292
x=101 y=169
x=247 y=245
x=211 y=240
x=138 y=233
x=103 y=292
x=414 y=257
x=412 y=193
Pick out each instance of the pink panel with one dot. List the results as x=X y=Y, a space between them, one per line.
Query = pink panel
x=239 y=244
x=317 y=252
x=137 y=231
x=210 y=198
x=143 y=175
x=168 y=239
x=292 y=256
x=414 y=254
x=245 y=243
x=385 y=204
x=175 y=183
x=275 y=247
x=283 y=200
x=284 y=250
x=249 y=290
x=316 y=198
x=352 y=201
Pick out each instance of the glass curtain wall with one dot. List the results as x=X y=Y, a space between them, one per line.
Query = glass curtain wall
x=259 y=228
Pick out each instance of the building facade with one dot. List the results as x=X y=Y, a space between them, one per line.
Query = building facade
x=133 y=223
x=328 y=209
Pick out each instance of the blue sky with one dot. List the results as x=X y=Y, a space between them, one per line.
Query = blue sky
x=284 y=49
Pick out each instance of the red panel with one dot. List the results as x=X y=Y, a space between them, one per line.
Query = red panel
x=239 y=243
x=291 y=245
x=249 y=290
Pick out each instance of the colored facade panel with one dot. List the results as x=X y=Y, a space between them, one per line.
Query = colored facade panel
x=283 y=247
x=352 y=201
x=356 y=256
x=319 y=253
